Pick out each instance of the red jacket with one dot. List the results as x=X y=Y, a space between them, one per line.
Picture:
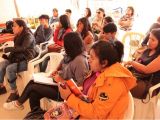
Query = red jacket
x=56 y=40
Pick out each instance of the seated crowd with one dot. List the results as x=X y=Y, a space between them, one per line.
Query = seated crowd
x=93 y=59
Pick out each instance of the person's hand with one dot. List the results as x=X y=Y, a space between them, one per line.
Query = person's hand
x=65 y=92
x=54 y=73
x=128 y=63
x=58 y=78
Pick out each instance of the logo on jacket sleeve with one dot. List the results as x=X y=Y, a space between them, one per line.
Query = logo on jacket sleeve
x=103 y=96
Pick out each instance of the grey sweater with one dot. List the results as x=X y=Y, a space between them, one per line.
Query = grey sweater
x=76 y=69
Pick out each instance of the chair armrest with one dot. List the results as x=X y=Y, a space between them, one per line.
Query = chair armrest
x=52 y=54
x=154 y=88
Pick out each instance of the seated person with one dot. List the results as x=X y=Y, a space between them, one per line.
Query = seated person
x=148 y=63
x=107 y=20
x=74 y=65
x=84 y=28
x=43 y=32
x=68 y=12
x=97 y=23
x=61 y=30
x=153 y=26
x=109 y=32
x=108 y=94
x=126 y=21
x=88 y=14
x=17 y=61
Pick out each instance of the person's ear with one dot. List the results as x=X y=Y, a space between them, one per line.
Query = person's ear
x=104 y=63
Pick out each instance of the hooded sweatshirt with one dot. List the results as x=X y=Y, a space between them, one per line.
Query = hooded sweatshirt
x=109 y=95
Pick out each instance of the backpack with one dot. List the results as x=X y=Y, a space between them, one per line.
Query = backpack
x=8 y=29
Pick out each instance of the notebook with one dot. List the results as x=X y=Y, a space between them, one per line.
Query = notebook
x=42 y=78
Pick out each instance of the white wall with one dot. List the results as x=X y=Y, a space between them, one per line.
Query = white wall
x=7 y=10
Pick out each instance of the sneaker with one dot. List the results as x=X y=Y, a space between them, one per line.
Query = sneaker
x=12 y=106
x=13 y=97
x=3 y=90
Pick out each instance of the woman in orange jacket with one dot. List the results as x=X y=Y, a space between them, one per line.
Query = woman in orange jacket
x=108 y=94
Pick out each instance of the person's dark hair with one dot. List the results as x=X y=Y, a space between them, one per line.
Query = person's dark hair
x=68 y=10
x=86 y=26
x=102 y=10
x=110 y=28
x=73 y=44
x=132 y=9
x=156 y=33
x=22 y=23
x=112 y=52
x=89 y=12
x=44 y=17
x=108 y=19
x=64 y=20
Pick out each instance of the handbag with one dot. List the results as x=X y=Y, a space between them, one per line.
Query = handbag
x=54 y=48
x=62 y=111
x=144 y=82
x=36 y=114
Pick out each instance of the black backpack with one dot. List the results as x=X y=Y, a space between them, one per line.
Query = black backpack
x=8 y=29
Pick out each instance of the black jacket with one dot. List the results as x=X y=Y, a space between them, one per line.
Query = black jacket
x=24 y=47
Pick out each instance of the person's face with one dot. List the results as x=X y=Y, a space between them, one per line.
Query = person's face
x=108 y=36
x=86 y=12
x=99 y=14
x=80 y=26
x=43 y=21
x=153 y=42
x=68 y=14
x=17 y=29
x=55 y=13
x=94 y=62
x=128 y=12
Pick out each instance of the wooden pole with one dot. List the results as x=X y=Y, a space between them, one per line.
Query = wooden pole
x=16 y=7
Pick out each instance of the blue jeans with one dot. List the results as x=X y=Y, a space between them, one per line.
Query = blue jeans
x=11 y=69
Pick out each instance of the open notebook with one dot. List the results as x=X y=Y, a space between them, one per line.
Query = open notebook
x=42 y=78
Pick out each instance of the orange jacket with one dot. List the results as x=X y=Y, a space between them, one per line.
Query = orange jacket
x=109 y=94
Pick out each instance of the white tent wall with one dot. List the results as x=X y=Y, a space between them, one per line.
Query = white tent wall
x=7 y=10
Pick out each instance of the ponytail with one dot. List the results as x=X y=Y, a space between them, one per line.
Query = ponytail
x=120 y=49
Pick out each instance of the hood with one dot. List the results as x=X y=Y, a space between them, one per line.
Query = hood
x=117 y=71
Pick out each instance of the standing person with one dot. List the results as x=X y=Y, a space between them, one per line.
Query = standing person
x=74 y=65
x=108 y=94
x=126 y=21
x=44 y=31
x=54 y=18
x=84 y=28
x=20 y=54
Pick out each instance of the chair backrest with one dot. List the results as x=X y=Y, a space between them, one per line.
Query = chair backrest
x=132 y=41
x=130 y=110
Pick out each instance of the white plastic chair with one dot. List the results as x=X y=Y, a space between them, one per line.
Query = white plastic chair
x=130 y=110
x=147 y=110
x=132 y=41
x=25 y=75
x=7 y=44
